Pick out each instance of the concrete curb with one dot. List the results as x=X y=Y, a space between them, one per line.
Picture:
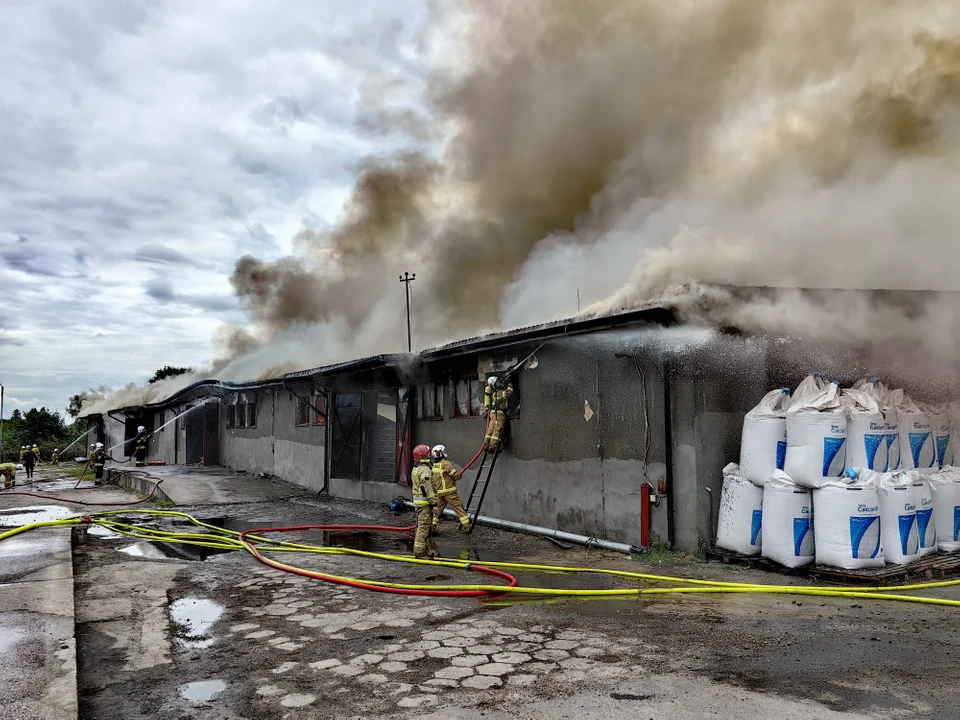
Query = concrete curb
x=142 y=485
x=38 y=678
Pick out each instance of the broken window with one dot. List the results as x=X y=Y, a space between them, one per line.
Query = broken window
x=303 y=412
x=467 y=397
x=231 y=417
x=241 y=415
x=320 y=402
x=430 y=402
x=251 y=413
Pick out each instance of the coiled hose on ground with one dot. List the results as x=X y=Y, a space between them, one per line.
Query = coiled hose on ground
x=255 y=543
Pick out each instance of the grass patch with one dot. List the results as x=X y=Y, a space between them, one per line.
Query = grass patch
x=73 y=470
x=660 y=555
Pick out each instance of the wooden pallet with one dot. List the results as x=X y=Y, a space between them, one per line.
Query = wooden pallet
x=932 y=567
x=756 y=562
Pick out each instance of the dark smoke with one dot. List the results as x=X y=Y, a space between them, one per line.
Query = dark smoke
x=793 y=129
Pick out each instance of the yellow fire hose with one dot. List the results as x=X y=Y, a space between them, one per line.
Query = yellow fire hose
x=223 y=539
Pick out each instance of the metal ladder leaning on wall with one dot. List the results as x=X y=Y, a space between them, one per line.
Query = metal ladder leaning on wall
x=480 y=484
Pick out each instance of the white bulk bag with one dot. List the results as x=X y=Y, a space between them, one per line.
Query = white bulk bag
x=917 y=450
x=946 y=508
x=939 y=421
x=898 y=516
x=866 y=432
x=926 y=522
x=763 y=445
x=787 y=529
x=875 y=388
x=811 y=385
x=848 y=524
x=741 y=513
x=953 y=416
x=816 y=433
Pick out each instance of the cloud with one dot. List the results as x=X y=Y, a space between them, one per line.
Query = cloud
x=137 y=167
x=160 y=255
x=160 y=289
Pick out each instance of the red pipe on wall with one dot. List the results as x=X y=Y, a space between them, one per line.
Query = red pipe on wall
x=644 y=516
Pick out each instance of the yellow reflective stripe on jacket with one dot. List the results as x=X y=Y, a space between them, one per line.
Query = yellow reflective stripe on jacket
x=422 y=484
x=445 y=477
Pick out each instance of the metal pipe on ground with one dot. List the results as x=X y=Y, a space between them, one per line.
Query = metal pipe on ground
x=548 y=532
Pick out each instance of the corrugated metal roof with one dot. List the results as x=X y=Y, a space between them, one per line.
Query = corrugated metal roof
x=656 y=313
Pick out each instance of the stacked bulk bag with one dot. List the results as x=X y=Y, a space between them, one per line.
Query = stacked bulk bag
x=917 y=450
x=953 y=416
x=867 y=445
x=926 y=522
x=741 y=513
x=875 y=388
x=816 y=435
x=787 y=529
x=811 y=385
x=763 y=446
x=898 y=516
x=939 y=420
x=848 y=523
x=946 y=508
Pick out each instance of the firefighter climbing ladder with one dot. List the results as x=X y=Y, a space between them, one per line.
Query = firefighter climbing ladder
x=480 y=484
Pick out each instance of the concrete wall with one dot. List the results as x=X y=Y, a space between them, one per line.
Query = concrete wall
x=590 y=432
x=162 y=445
x=711 y=388
x=276 y=446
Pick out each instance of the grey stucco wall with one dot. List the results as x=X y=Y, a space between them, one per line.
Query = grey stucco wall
x=277 y=446
x=712 y=386
x=162 y=445
x=580 y=450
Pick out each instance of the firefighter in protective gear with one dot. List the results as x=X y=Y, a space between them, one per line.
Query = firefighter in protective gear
x=36 y=454
x=55 y=458
x=424 y=499
x=9 y=473
x=140 y=446
x=495 y=400
x=445 y=476
x=99 y=460
x=23 y=453
x=29 y=461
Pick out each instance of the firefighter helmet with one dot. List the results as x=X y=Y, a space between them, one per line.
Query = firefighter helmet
x=421 y=453
x=141 y=429
x=439 y=451
x=99 y=445
x=492 y=380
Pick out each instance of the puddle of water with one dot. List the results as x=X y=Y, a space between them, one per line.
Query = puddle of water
x=144 y=550
x=102 y=532
x=195 y=617
x=156 y=550
x=202 y=691
x=15 y=517
x=230 y=523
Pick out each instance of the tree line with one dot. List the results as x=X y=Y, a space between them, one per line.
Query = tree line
x=50 y=430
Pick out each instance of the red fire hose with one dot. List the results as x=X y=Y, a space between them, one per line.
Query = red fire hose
x=511 y=580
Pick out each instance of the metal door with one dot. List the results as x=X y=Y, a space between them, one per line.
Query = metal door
x=347 y=436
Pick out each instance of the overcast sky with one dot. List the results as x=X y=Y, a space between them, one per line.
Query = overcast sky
x=146 y=145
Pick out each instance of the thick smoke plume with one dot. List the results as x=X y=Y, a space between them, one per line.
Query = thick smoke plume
x=785 y=143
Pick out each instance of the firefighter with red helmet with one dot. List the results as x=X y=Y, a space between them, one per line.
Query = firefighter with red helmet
x=445 y=476
x=424 y=498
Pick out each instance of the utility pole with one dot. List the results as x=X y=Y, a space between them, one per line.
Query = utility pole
x=406 y=279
